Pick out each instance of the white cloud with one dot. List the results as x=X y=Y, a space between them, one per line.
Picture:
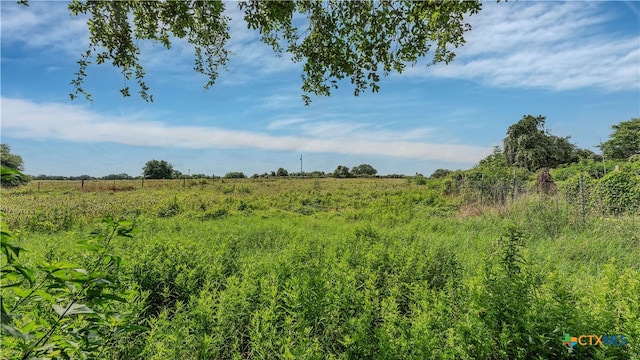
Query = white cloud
x=26 y=119
x=285 y=123
x=44 y=24
x=558 y=46
x=48 y=25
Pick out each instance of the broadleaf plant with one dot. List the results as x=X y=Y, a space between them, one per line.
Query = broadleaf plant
x=62 y=310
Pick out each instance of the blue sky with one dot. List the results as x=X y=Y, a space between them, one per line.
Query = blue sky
x=577 y=63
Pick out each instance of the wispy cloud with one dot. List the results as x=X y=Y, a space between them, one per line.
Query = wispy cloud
x=558 y=46
x=44 y=24
x=286 y=123
x=48 y=25
x=27 y=119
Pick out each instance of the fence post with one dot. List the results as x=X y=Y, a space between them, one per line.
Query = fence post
x=581 y=199
x=513 y=192
x=82 y=184
x=143 y=181
x=481 y=188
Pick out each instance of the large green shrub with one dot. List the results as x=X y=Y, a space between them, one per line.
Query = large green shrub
x=619 y=192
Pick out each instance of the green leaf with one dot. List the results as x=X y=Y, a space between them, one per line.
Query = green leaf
x=5 y=318
x=73 y=309
x=5 y=171
x=74 y=275
x=15 y=332
x=53 y=267
x=11 y=278
x=28 y=273
x=11 y=251
x=107 y=219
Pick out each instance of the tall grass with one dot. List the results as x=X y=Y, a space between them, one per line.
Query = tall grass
x=357 y=268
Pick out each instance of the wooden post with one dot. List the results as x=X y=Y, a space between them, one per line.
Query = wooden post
x=582 y=199
x=513 y=192
x=82 y=184
x=143 y=182
x=481 y=188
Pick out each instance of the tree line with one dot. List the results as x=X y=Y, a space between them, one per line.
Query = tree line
x=161 y=169
x=528 y=145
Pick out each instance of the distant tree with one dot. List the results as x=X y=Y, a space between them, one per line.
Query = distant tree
x=282 y=172
x=364 y=169
x=624 y=142
x=82 y=177
x=529 y=145
x=235 y=175
x=395 y=176
x=342 y=172
x=440 y=173
x=121 y=176
x=50 y=177
x=158 y=169
x=586 y=154
x=15 y=164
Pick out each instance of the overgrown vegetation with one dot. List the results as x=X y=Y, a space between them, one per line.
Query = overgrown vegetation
x=495 y=262
x=326 y=268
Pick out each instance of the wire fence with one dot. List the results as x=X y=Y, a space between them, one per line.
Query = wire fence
x=614 y=195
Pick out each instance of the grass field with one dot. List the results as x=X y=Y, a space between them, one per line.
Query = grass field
x=330 y=269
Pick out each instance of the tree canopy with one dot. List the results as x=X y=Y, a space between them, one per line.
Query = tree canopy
x=529 y=145
x=356 y=40
x=9 y=160
x=624 y=142
x=282 y=172
x=364 y=169
x=342 y=171
x=158 y=169
x=11 y=165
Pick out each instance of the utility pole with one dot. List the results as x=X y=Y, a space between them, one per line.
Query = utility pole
x=300 y=164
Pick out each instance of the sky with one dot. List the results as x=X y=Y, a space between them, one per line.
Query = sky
x=576 y=62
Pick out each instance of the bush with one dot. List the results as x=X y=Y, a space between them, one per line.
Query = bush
x=620 y=192
x=235 y=175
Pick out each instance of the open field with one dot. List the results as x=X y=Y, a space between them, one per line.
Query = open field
x=338 y=268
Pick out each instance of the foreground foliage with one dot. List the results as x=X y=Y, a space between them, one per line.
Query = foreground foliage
x=59 y=309
x=336 y=40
